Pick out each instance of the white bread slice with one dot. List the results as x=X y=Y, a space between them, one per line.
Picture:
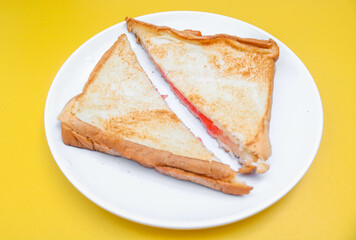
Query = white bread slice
x=120 y=113
x=224 y=80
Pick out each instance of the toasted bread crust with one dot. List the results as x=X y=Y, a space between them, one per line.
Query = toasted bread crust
x=214 y=175
x=234 y=188
x=81 y=134
x=258 y=144
x=269 y=47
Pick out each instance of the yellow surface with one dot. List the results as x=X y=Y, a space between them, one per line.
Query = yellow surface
x=38 y=202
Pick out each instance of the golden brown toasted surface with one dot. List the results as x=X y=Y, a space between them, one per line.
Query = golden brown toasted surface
x=127 y=125
x=228 y=79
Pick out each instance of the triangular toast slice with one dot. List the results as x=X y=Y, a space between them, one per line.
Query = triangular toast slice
x=120 y=113
x=224 y=80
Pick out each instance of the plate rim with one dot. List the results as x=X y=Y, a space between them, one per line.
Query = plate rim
x=178 y=225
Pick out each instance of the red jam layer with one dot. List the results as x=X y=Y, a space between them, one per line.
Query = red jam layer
x=209 y=125
x=212 y=129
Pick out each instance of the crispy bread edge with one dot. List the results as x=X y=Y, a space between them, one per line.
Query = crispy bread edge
x=261 y=143
x=214 y=175
x=233 y=187
x=85 y=135
x=196 y=36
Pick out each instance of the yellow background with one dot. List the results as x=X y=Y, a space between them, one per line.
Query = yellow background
x=38 y=202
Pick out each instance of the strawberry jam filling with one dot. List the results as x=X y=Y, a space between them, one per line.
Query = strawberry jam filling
x=210 y=126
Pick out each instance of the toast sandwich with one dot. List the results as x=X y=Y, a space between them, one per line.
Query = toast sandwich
x=225 y=81
x=119 y=112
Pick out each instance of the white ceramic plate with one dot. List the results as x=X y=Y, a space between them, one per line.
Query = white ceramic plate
x=131 y=191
